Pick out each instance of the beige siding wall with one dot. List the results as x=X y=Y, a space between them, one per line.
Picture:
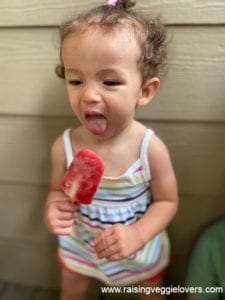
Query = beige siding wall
x=188 y=113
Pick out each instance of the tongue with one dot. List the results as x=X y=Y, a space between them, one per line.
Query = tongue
x=96 y=124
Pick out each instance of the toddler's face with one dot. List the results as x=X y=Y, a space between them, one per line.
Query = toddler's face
x=103 y=79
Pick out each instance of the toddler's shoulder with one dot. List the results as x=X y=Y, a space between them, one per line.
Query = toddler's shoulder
x=158 y=155
x=57 y=149
x=157 y=147
x=57 y=143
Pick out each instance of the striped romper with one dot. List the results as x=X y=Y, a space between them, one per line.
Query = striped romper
x=124 y=200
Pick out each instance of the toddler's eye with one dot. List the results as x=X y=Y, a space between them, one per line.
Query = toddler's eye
x=111 y=83
x=74 y=82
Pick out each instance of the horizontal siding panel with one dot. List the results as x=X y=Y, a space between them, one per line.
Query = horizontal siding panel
x=53 y=12
x=196 y=149
x=195 y=213
x=28 y=263
x=29 y=84
x=15 y=292
x=26 y=207
x=23 y=292
x=195 y=77
x=193 y=87
x=177 y=273
x=33 y=265
x=27 y=160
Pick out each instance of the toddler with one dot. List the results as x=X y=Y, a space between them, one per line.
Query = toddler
x=111 y=60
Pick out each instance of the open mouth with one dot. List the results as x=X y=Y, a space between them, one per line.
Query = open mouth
x=96 y=122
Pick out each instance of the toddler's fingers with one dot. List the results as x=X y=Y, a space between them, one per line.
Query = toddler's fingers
x=104 y=243
x=67 y=215
x=64 y=231
x=108 y=251
x=115 y=256
x=101 y=237
x=66 y=224
x=62 y=228
x=66 y=206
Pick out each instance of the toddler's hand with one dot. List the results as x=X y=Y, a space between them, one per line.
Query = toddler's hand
x=59 y=214
x=118 y=242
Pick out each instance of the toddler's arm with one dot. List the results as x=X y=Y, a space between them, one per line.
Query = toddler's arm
x=59 y=210
x=163 y=189
x=120 y=241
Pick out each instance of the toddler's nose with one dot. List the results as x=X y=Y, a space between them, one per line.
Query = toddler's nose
x=90 y=94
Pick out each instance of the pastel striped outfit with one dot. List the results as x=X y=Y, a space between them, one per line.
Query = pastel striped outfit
x=124 y=200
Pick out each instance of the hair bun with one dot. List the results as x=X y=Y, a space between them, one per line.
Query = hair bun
x=125 y=4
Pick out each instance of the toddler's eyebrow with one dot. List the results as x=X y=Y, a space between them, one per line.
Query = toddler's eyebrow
x=71 y=70
x=102 y=72
x=112 y=71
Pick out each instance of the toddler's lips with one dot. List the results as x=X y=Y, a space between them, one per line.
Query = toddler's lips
x=96 y=122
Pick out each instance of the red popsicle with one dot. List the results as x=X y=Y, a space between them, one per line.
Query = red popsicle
x=82 y=178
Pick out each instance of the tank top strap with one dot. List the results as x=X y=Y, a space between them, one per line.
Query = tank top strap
x=68 y=146
x=144 y=155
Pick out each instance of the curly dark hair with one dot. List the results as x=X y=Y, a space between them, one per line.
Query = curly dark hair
x=151 y=34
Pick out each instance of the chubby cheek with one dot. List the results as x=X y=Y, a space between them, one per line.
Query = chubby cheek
x=128 y=104
x=74 y=104
x=123 y=113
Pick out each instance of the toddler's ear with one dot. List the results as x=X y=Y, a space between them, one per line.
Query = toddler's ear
x=148 y=91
